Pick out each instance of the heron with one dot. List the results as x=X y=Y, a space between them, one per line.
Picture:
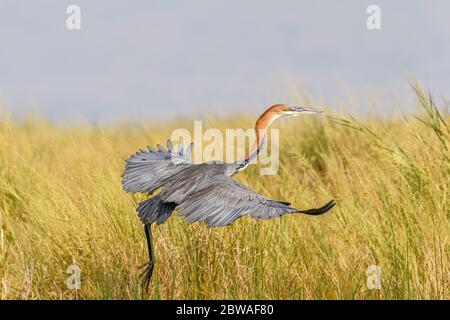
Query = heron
x=203 y=192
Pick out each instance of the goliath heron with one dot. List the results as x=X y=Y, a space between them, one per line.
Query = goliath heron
x=203 y=192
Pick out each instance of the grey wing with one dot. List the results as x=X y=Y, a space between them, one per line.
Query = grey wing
x=224 y=200
x=147 y=171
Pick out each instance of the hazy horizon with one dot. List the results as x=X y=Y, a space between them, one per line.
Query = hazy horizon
x=164 y=60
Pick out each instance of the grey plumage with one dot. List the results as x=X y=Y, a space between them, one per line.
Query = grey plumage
x=147 y=171
x=201 y=192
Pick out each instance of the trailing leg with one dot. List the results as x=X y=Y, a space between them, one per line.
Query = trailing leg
x=147 y=273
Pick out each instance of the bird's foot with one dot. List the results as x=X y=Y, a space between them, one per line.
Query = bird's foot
x=146 y=274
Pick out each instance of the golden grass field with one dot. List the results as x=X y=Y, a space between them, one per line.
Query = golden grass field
x=61 y=203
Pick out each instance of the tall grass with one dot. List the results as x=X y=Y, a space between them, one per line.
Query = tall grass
x=61 y=203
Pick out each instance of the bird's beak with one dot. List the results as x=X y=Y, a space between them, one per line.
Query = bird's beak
x=298 y=110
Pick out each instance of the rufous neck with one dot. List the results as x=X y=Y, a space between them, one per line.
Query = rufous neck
x=261 y=126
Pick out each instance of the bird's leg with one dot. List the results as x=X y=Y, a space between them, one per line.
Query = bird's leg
x=147 y=273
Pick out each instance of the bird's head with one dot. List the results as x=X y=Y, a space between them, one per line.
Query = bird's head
x=285 y=110
x=280 y=111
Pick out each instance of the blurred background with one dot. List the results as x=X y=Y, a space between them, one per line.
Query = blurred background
x=171 y=59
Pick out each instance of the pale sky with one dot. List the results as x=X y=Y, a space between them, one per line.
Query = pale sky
x=159 y=59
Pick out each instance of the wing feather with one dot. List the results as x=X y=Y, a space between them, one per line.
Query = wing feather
x=223 y=200
x=146 y=171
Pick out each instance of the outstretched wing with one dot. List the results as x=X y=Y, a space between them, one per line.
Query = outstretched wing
x=147 y=171
x=224 y=200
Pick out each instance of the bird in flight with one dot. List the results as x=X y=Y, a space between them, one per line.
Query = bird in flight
x=203 y=192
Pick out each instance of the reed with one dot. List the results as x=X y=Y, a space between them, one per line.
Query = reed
x=61 y=203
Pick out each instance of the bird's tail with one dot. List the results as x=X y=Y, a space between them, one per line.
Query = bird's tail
x=321 y=210
x=154 y=210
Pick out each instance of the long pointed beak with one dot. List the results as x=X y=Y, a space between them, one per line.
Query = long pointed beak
x=304 y=109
